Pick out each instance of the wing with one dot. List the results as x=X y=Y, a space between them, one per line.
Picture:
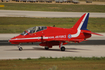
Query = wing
x=77 y=40
x=68 y=40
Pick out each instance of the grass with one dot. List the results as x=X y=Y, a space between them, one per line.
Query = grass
x=64 y=63
x=19 y=24
x=53 y=7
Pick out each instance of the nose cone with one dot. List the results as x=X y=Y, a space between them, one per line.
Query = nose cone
x=14 y=40
x=11 y=40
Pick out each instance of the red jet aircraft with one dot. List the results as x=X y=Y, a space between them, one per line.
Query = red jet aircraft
x=50 y=36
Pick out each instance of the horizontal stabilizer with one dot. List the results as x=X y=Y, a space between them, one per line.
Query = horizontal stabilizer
x=96 y=34
x=86 y=31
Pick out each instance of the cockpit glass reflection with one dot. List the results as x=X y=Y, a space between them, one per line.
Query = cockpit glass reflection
x=34 y=30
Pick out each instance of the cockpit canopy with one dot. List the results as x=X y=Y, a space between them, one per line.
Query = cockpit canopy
x=34 y=30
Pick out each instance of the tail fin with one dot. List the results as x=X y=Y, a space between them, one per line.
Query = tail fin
x=81 y=24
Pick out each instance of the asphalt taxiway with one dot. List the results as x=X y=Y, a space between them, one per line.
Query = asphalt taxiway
x=35 y=51
x=40 y=14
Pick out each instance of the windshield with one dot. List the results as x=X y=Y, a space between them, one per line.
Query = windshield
x=34 y=30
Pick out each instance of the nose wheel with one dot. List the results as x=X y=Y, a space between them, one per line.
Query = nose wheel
x=20 y=48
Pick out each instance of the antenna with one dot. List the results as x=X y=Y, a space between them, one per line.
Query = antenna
x=53 y=25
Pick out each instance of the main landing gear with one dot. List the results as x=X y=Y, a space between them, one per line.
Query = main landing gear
x=61 y=47
x=20 y=48
x=46 y=48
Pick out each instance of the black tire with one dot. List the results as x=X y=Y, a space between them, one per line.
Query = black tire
x=20 y=49
x=62 y=48
x=46 y=48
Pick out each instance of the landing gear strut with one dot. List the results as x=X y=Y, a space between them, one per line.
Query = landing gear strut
x=20 y=48
x=61 y=47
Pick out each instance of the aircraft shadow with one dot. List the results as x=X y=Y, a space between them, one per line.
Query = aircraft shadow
x=57 y=50
x=89 y=42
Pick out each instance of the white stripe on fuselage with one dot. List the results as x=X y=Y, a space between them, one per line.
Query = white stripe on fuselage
x=79 y=28
x=30 y=38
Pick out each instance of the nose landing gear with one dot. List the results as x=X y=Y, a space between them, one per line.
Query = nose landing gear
x=20 y=48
